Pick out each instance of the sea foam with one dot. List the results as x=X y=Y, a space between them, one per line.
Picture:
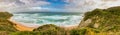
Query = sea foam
x=38 y=19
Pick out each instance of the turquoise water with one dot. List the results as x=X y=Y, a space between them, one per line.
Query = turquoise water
x=38 y=19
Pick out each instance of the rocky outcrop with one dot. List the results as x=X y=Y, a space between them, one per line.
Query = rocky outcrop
x=85 y=23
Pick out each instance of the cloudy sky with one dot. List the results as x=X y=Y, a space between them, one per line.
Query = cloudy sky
x=55 y=5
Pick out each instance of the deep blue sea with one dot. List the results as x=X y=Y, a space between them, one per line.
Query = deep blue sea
x=42 y=18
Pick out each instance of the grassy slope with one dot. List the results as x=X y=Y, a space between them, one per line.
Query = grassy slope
x=5 y=25
x=48 y=29
x=104 y=21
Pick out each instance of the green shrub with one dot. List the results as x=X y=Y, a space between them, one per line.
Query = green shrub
x=50 y=29
x=78 y=32
x=5 y=15
x=24 y=33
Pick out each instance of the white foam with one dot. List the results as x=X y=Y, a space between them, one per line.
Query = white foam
x=32 y=20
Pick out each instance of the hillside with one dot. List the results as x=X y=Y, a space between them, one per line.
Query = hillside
x=104 y=21
x=5 y=25
x=48 y=29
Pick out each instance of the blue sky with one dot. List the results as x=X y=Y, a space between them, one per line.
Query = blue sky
x=55 y=4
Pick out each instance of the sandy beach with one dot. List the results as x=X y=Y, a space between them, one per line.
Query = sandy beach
x=21 y=27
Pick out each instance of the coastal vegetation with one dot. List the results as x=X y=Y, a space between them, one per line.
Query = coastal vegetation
x=105 y=21
x=5 y=25
x=96 y=22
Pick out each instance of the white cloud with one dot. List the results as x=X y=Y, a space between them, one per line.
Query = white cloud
x=17 y=5
x=73 y=5
x=87 y=5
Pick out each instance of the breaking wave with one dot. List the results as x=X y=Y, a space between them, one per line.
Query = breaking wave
x=38 y=19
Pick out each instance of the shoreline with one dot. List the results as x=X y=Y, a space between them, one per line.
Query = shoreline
x=22 y=27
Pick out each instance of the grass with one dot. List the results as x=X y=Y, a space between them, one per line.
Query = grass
x=108 y=20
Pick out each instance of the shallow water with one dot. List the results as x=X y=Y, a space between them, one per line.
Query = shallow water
x=38 y=19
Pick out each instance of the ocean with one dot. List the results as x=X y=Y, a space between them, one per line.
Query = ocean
x=33 y=19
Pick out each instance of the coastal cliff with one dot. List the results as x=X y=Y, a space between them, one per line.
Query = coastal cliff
x=102 y=21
